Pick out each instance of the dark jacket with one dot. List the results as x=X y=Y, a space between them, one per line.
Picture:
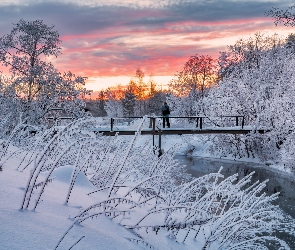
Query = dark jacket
x=165 y=109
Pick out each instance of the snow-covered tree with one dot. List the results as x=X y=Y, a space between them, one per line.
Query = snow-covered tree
x=128 y=103
x=264 y=94
x=193 y=82
x=246 y=51
x=155 y=102
x=113 y=105
x=37 y=85
x=197 y=75
x=101 y=103
x=287 y=16
x=23 y=49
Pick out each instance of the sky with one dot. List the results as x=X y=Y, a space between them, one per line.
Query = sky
x=107 y=40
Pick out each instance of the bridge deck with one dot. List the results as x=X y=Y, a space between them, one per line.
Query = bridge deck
x=179 y=131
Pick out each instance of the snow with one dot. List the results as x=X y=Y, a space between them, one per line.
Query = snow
x=45 y=227
x=41 y=229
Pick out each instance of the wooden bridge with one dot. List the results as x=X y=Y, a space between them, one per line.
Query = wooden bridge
x=203 y=125
x=198 y=125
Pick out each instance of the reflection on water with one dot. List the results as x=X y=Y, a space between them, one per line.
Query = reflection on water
x=278 y=181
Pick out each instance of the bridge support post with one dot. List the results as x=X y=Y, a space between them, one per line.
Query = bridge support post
x=153 y=119
x=112 y=124
x=243 y=121
x=237 y=121
x=201 y=122
x=151 y=122
x=153 y=125
x=160 y=143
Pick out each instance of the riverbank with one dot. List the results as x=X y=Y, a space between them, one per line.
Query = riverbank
x=199 y=145
x=278 y=181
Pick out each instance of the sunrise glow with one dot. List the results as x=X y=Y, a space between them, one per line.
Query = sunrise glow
x=106 y=41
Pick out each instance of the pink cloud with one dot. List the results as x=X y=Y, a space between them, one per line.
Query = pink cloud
x=120 y=50
x=111 y=51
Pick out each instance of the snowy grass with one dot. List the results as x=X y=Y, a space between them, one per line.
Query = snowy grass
x=74 y=180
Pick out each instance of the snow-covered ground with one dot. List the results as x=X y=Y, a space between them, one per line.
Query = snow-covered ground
x=45 y=227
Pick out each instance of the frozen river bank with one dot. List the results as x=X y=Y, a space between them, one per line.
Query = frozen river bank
x=278 y=181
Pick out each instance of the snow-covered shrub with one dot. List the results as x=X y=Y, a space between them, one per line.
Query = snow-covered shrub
x=21 y=139
x=153 y=196
x=147 y=194
x=213 y=213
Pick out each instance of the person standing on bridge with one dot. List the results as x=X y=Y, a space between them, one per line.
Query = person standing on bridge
x=166 y=113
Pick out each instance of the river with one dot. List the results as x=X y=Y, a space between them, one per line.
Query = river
x=278 y=181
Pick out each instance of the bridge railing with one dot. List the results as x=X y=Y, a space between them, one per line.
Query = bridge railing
x=189 y=122
x=125 y=121
x=202 y=121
